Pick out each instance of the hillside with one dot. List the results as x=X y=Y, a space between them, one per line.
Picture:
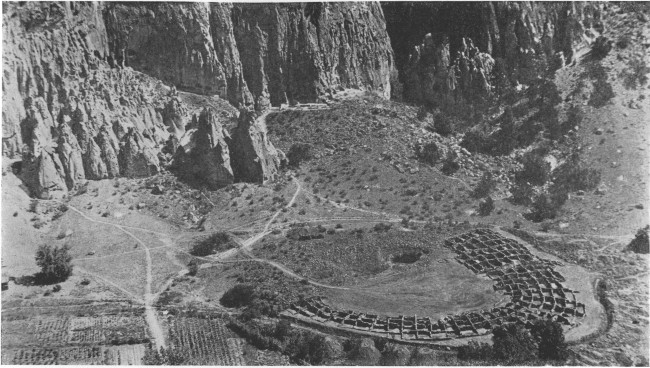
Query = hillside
x=325 y=183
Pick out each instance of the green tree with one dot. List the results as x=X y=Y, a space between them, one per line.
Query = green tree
x=55 y=262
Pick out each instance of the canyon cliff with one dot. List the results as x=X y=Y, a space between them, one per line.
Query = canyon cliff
x=102 y=90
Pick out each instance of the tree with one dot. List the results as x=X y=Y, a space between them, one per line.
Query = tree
x=513 y=343
x=486 y=206
x=299 y=152
x=55 y=262
x=550 y=340
x=238 y=296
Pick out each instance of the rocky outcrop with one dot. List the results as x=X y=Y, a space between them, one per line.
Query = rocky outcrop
x=254 y=158
x=66 y=111
x=257 y=54
x=203 y=157
x=303 y=51
x=71 y=111
x=516 y=34
x=432 y=75
x=174 y=43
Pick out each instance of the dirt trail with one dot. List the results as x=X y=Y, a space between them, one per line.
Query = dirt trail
x=149 y=297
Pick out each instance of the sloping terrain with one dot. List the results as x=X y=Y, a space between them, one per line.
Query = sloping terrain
x=202 y=228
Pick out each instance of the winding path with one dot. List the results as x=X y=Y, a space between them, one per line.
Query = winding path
x=149 y=297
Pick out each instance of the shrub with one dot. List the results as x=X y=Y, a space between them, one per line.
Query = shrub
x=640 y=243
x=475 y=141
x=428 y=153
x=550 y=340
x=56 y=288
x=382 y=227
x=513 y=344
x=299 y=152
x=55 y=262
x=546 y=206
x=486 y=206
x=219 y=241
x=171 y=356
x=475 y=351
x=443 y=125
x=450 y=166
x=535 y=171
x=238 y=296
x=192 y=267
x=574 y=175
x=485 y=186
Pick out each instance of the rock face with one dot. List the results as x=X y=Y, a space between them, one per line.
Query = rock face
x=174 y=43
x=255 y=53
x=431 y=74
x=69 y=111
x=204 y=159
x=515 y=34
x=82 y=91
x=301 y=51
x=254 y=158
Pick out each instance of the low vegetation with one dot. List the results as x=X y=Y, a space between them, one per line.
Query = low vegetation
x=640 y=243
x=217 y=242
x=55 y=263
x=514 y=344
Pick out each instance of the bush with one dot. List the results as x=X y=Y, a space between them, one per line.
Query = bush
x=486 y=206
x=382 y=227
x=55 y=262
x=169 y=356
x=513 y=344
x=449 y=167
x=550 y=340
x=535 y=171
x=428 y=153
x=476 y=141
x=299 y=152
x=475 y=351
x=640 y=243
x=443 y=125
x=574 y=175
x=485 y=186
x=546 y=206
x=216 y=242
x=238 y=296
x=522 y=193
x=56 y=288
x=192 y=267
